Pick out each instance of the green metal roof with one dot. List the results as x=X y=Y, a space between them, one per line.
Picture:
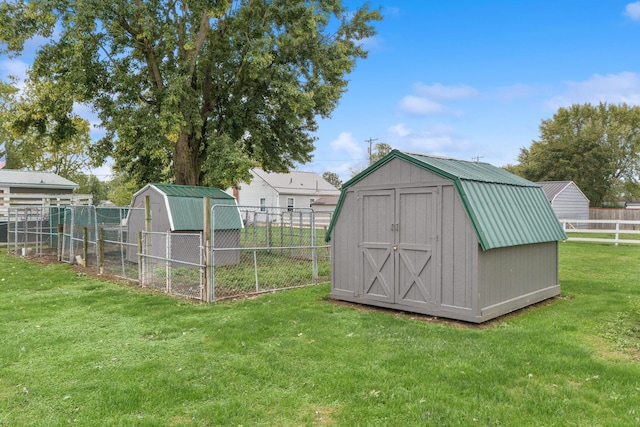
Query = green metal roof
x=185 y=207
x=175 y=190
x=504 y=209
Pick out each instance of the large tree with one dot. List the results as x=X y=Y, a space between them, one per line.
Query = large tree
x=39 y=134
x=596 y=146
x=196 y=91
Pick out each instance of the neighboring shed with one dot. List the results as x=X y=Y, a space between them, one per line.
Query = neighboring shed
x=179 y=209
x=443 y=237
x=567 y=200
x=27 y=189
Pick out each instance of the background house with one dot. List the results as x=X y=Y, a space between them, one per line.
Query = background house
x=443 y=237
x=179 y=209
x=567 y=200
x=22 y=188
x=324 y=208
x=295 y=189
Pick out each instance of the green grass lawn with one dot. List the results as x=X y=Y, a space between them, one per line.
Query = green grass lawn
x=76 y=350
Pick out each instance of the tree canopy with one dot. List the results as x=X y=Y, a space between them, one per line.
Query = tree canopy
x=596 y=146
x=333 y=179
x=378 y=151
x=194 y=92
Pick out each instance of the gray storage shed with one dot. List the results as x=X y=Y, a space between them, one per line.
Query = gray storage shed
x=443 y=237
x=567 y=200
x=179 y=209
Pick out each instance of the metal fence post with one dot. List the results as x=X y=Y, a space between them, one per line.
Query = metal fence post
x=314 y=254
x=85 y=245
x=60 y=237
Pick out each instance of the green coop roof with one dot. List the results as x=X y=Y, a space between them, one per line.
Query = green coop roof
x=185 y=207
x=504 y=209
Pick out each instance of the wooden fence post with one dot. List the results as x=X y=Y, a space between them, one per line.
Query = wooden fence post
x=101 y=251
x=148 y=245
x=207 y=289
x=141 y=267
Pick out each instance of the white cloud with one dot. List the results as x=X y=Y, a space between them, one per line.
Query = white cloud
x=346 y=142
x=424 y=100
x=103 y=173
x=369 y=43
x=438 y=139
x=14 y=71
x=632 y=10
x=439 y=91
x=399 y=130
x=611 y=88
x=421 y=106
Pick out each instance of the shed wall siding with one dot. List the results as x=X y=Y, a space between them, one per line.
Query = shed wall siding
x=397 y=172
x=29 y=190
x=570 y=203
x=345 y=254
x=508 y=273
x=159 y=214
x=459 y=246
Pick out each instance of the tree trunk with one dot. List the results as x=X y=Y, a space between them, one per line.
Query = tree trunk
x=185 y=161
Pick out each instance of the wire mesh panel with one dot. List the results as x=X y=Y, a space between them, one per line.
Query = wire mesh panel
x=260 y=249
x=32 y=230
x=80 y=235
x=119 y=252
x=173 y=262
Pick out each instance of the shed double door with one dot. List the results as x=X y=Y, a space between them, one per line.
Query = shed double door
x=398 y=244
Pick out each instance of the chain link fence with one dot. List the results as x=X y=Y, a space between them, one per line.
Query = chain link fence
x=33 y=230
x=173 y=262
x=249 y=250
x=276 y=248
x=117 y=251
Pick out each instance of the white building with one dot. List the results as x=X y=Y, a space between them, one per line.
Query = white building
x=295 y=189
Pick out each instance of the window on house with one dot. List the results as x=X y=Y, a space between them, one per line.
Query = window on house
x=311 y=200
x=290 y=203
x=263 y=204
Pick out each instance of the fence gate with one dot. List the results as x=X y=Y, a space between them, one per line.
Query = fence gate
x=173 y=262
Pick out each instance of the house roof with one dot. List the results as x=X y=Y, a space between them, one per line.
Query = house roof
x=326 y=200
x=296 y=182
x=504 y=209
x=26 y=179
x=185 y=207
x=553 y=188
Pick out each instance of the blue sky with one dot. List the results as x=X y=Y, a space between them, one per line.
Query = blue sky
x=472 y=78
x=476 y=78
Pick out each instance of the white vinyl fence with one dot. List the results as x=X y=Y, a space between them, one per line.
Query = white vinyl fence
x=604 y=231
